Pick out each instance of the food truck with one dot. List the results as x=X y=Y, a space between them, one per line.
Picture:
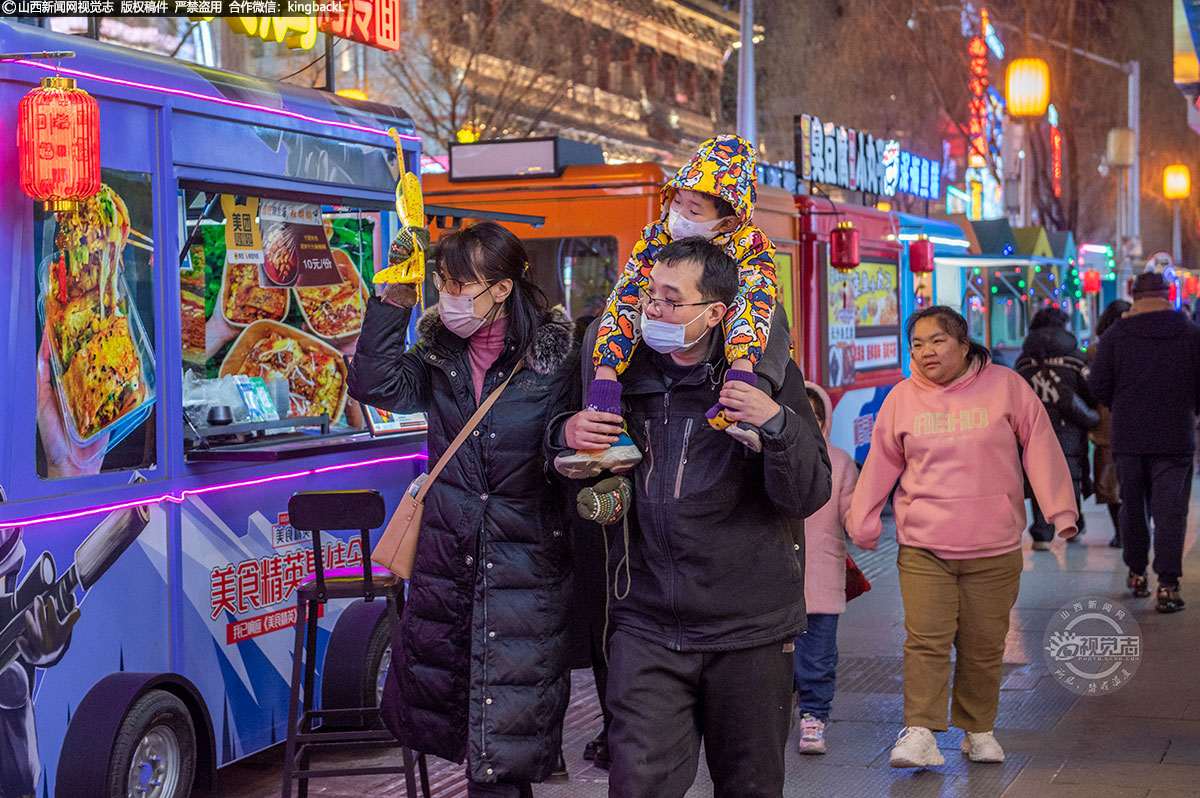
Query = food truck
x=174 y=370
x=845 y=325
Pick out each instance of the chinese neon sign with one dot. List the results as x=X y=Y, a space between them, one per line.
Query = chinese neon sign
x=375 y=23
x=977 y=50
x=858 y=161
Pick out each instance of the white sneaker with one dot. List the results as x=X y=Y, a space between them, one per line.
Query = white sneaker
x=916 y=747
x=812 y=735
x=982 y=747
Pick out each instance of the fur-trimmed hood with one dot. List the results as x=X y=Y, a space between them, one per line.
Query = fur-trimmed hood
x=553 y=344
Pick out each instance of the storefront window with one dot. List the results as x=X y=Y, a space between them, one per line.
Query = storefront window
x=273 y=296
x=95 y=330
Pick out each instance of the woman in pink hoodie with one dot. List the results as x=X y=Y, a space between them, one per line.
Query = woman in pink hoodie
x=950 y=435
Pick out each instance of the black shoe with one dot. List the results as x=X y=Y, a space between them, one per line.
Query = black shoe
x=1169 y=599
x=1137 y=585
x=602 y=759
x=589 y=750
x=1115 y=542
x=559 y=774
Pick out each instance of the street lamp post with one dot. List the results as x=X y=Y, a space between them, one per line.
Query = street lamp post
x=747 y=112
x=1177 y=185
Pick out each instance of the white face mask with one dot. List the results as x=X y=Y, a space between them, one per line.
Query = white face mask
x=682 y=227
x=458 y=313
x=668 y=337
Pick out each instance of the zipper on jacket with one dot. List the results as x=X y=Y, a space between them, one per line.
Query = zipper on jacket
x=481 y=569
x=667 y=407
x=687 y=433
x=649 y=457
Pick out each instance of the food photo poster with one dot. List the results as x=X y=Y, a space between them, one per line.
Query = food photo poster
x=280 y=290
x=95 y=366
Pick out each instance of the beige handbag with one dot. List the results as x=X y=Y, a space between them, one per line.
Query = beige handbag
x=397 y=546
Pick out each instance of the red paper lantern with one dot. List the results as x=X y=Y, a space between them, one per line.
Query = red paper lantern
x=58 y=142
x=843 y=247
x=1091 y=282
x=1190 y=285
x=920 y=255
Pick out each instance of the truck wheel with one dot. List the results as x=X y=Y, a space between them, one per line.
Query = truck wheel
x=356 y=660
x=154 y=754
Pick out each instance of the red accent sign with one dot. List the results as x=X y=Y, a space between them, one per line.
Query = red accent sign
x=249 y=628
x=372 y=22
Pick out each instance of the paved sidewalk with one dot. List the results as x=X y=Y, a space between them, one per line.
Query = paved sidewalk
x=1142 y=741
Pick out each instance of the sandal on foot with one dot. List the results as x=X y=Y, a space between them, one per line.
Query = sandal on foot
x=1137 y=585
x=1169 y=599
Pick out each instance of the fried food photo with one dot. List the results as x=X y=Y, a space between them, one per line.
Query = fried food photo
x=91 y=240
x=315 y=372
x=335 y=310
x=104 y=380
x=245 y=301
x=282 y=258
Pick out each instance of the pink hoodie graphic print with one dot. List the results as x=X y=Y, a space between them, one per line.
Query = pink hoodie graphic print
x=953 y=449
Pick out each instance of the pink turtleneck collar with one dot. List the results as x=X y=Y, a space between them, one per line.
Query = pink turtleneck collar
x=482 y=350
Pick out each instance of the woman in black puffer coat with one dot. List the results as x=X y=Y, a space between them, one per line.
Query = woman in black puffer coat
x=479 y=660
x=1054 y=367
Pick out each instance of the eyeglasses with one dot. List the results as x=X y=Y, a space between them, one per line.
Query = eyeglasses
x=449 y=285
x=649 y=301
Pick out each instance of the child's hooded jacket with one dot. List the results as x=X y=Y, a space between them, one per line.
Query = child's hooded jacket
x=954 y=450
x=825 y=530
x=725 y=167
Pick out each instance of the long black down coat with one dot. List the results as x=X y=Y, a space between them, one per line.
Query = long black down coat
x=479 y=660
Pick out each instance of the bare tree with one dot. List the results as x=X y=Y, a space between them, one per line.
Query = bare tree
x=503 y=67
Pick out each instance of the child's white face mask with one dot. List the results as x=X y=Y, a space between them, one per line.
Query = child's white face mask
x=682 y=227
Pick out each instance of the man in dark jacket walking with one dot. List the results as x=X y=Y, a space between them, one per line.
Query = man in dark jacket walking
x=1054 y=367
x=709 y=589
x=1147 y=369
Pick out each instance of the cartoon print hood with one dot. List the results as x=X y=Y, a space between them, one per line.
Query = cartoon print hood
x=726 y=167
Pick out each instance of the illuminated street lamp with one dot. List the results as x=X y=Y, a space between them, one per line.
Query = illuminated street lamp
x=1177 y=185
x=1027 y=95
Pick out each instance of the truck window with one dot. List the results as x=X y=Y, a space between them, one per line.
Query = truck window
x=577 y=273
x=273 y=295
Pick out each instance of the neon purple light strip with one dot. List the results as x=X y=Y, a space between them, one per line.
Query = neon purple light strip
x=179 y=499
x=219 y=100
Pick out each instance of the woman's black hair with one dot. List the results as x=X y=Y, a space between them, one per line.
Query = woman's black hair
x=951 y=322
x=489 y=253
x=1111 y=314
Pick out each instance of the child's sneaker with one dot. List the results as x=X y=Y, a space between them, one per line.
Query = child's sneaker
x=812 y=735
x=982 y=747
x=618 y=458
x=916 y=747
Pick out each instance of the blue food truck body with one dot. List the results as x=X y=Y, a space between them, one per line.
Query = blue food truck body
x=176 y=553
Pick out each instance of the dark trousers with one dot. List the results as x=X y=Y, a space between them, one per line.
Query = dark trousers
x=500 y=789
x=1158 y=487
x=816 y=665
x=1043 y=530
x=665 y=702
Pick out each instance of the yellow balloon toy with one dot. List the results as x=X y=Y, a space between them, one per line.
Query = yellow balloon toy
x=406 y=255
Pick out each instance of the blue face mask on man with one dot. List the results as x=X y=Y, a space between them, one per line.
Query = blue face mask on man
x=667 y=337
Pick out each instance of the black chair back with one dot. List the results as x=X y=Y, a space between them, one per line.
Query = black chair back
x=318 y=511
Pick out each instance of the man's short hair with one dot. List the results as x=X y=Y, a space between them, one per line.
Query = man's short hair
x=718 y=272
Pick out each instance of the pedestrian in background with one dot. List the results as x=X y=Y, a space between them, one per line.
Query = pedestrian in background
x=824 y=588
x=479 y=659
x=1147 y=370
x=950 y=435
x=1052 y=364
x=1104 y=471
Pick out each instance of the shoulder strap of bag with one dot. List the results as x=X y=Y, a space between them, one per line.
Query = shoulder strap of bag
x=471 y=424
